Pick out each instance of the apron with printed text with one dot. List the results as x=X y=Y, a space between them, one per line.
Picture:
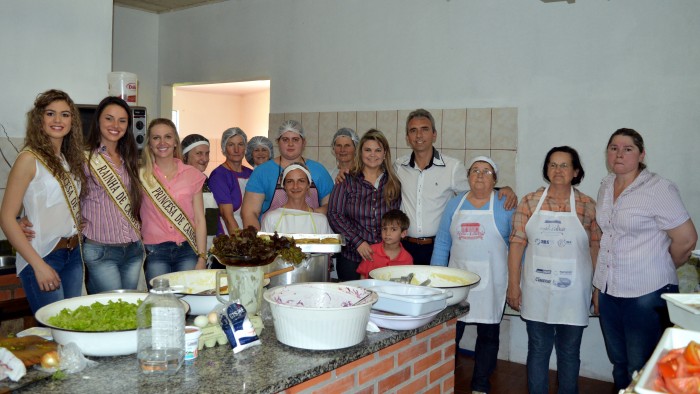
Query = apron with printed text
x=557 y=272
x=478 y=246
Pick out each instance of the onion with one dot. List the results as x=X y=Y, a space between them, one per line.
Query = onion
x=50 y=360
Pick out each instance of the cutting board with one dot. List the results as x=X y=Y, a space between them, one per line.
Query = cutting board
x=29 y=349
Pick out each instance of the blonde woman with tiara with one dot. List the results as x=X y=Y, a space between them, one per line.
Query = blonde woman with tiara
x=46 y=179
x=358 y=203
x=174 y=229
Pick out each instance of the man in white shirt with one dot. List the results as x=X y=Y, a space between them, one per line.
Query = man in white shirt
x=428 y=181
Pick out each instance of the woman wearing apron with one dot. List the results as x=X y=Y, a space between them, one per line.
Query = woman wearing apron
x=264 y=190
x=227 y=181
x=473 y=235
x=558 y=226
x=295 y=216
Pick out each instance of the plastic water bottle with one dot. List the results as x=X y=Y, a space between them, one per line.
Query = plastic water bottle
x=161 y=331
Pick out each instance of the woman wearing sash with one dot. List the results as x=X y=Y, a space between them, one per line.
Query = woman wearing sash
x=227 y=181
x=264 y=189
x=558 y=226
x=46 y=179
x=113 y=251
x=172 y=211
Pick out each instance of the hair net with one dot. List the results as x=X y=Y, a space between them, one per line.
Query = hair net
x=192 y=141
x=346 y=132
x=232 y=132
x=293 y=126
x=257 y=142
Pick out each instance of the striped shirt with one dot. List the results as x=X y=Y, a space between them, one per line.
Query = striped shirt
x=104 y=221
x=634 y=259
x=585 y=210
x=355 y=210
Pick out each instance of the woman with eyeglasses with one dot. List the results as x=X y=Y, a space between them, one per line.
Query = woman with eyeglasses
x=473 y=235
x=555 y=227
x=647 y=234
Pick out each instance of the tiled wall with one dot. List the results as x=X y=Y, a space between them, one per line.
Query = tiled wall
x=462 y=133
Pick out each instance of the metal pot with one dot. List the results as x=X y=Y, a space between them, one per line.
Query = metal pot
x=314 y=268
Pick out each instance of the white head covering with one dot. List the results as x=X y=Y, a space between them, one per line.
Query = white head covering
x=293 y=126
x=232 y=132
x=255 y=142
x=295 y=166
x=486 y=160
x=192 y=141
x=346 y=132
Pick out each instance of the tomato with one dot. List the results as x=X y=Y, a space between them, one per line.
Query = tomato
x=668 y=368
x=689 y=385
x=692 y=353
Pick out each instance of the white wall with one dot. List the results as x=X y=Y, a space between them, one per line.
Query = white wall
x=61 y=44
x=576 y=72
x=135 y=49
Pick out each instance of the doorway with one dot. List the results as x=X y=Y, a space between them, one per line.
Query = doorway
x=209 y=109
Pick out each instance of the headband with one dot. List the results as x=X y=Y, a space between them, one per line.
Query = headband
x=194 y=145
x=292 y=167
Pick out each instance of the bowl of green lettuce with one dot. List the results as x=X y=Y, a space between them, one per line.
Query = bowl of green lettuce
x=99 y=324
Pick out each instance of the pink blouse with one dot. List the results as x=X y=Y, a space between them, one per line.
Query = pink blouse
x=156 y=228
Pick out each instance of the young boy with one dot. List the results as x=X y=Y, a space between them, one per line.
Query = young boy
x=390 y=251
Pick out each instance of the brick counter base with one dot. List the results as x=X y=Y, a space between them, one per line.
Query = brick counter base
x=421 y=364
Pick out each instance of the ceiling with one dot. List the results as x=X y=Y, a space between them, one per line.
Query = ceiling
x=160 y=6
x=229 y=88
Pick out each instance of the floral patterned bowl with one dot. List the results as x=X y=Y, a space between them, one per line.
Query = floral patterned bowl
x=320 y=316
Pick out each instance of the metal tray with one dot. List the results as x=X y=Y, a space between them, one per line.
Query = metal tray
x=315 y=248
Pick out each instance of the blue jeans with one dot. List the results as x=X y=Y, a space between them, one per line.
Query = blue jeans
x=112 y=267
x=68 y=265
x=168 y=257
x=566 y=339
x=631 y=329
x=485 y=353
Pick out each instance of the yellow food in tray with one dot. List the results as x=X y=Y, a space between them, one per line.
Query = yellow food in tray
x=317 y=241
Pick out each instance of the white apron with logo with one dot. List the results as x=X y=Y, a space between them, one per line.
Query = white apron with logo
x=477 y=246
x=557 y=273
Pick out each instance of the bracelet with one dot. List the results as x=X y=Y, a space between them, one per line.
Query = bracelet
x=202 y=255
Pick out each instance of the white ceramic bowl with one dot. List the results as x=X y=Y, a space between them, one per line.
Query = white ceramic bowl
x=457 y=280
x=112 y=343
x=320 y=316
x=401 y=322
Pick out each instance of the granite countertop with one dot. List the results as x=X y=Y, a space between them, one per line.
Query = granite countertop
x=269 y=368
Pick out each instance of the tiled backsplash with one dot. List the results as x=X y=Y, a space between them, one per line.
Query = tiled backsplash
x=462 y=133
